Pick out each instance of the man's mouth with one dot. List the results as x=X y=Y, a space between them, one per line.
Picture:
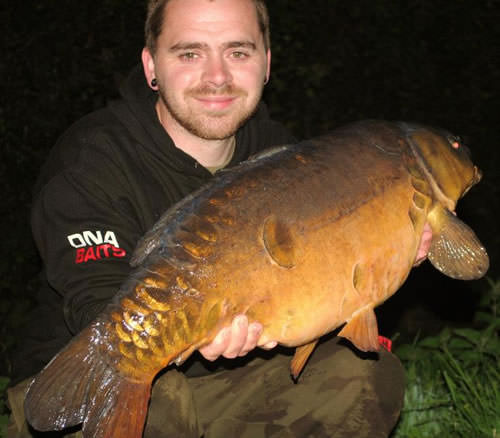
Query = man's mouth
x=216 y=103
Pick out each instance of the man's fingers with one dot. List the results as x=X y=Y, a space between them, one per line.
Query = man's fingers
x=424 y=245
x=254 y=332
x=239 y=333
x=220 y=343
x=269 y=345
x=236 y=340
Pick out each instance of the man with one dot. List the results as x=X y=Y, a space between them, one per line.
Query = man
x=112 y=175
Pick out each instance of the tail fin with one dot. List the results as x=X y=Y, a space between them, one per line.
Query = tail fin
x=80 y=386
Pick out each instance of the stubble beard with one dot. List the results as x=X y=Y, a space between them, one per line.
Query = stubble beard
x=214 y=125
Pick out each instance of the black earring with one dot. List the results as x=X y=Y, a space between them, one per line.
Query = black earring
x=154 y=82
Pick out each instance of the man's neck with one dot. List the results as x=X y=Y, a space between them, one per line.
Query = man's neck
x=209 y=153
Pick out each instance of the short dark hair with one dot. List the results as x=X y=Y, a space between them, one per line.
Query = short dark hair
x=155 y=14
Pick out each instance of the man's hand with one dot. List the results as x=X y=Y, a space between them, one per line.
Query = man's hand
x=236 y=340
x=425 y=244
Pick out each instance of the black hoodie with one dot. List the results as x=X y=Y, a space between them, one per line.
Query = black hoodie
x=106 y=182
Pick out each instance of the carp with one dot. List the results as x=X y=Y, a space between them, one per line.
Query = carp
x=303 y=238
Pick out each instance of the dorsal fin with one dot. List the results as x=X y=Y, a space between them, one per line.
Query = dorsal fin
x=268 y=153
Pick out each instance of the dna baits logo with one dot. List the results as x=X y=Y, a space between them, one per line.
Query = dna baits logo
x=95 y=246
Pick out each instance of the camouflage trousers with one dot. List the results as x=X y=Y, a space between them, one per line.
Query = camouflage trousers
x=339 y=394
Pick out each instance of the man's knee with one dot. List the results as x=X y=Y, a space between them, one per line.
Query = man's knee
x=362 y=393
x=172 y=411
x=389 y=381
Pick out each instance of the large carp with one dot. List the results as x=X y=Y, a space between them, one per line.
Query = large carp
x=303 y=238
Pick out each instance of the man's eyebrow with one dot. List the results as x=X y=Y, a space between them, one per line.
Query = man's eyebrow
x=187 y=46
x=243 y=44
x=202 y=46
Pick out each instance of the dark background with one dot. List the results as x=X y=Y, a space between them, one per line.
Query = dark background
x=435 y=62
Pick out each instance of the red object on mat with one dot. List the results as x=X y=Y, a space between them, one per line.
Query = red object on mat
x=385 y=342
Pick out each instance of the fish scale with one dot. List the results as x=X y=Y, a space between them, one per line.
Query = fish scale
x=304 y=239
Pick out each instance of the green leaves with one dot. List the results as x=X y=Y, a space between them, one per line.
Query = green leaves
x=4 y=415
x=454 y=379
x=475 y=390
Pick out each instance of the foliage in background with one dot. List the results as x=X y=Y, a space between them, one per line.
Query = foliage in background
x=333 y=62
x=453 y=387
x=4 y=418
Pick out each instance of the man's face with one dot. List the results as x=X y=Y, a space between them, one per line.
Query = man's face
x=210 y=65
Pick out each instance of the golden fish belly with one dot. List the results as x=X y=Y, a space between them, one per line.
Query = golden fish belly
x=329 y=260
x=342 y=265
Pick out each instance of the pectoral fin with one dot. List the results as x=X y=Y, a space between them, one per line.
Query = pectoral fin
x=455 y=250
x=300 y=357
x=362 y=330
x=278 y=242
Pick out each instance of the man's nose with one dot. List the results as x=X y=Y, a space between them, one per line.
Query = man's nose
x=217 y=71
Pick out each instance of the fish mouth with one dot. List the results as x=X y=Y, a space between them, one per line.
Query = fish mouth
x=478 y=175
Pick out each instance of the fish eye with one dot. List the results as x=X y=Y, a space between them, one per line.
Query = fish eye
x=455 y=141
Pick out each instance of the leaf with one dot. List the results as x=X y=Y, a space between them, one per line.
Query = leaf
x=493 y=347
x=407 y=352
x=486 y=317
x=459 y=344
x=445 y=335
x=473 y=336
x=430 y=342
x=4 y=382
x=471 y=357
x=4 y=422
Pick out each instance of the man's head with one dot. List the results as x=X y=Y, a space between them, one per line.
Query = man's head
x=155 y=14
x=210 y=60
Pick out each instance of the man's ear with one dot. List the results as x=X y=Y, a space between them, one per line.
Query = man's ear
x=268 y=69
x=148 y=65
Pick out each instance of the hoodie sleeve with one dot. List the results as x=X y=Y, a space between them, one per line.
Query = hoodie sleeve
x=85 y=229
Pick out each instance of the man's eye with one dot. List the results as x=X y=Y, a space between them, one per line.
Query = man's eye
x=239 y=55
x=188 y=56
